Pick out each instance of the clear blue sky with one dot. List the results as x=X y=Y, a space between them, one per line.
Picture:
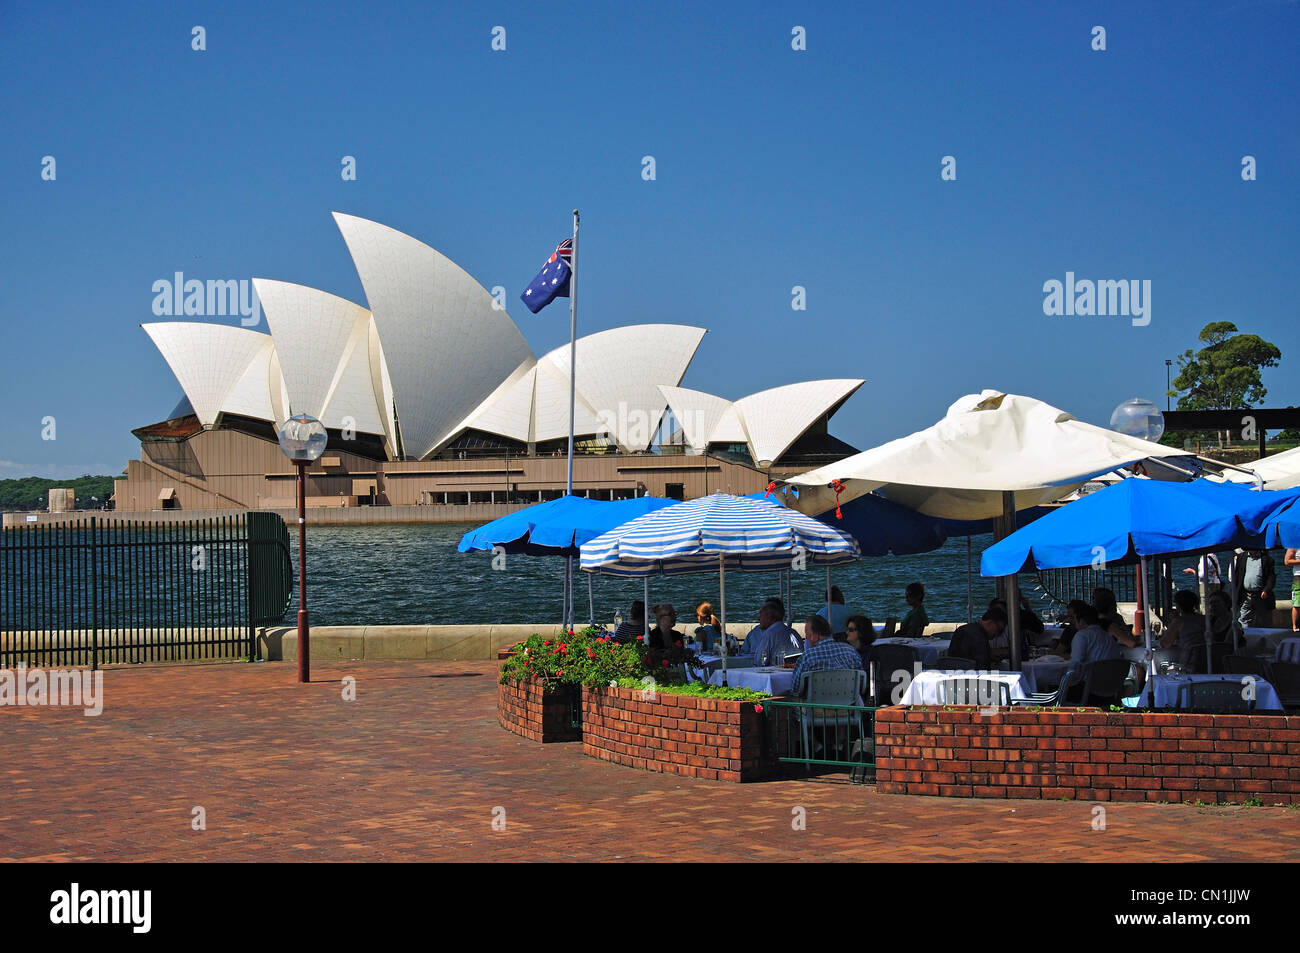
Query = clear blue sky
x=775 y=168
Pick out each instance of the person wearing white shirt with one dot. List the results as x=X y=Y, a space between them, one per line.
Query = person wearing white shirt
x=1208 y=571
x=771 y=636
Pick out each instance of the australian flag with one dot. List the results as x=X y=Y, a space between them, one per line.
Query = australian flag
x=552 y=281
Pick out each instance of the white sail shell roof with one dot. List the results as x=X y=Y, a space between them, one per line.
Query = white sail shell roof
x=774 y=419
x=209 y=361
x=618 y=374
x=448 y=347
x=697 y=413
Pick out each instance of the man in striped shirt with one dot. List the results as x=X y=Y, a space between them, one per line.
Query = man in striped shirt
x=822 y=653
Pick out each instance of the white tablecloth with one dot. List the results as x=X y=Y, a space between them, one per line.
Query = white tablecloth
x=769 y=681
x=929 y=649
x=1043 y=674
x=924 y=689
x=1167 y=691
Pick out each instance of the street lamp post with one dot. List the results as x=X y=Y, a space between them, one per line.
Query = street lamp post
x=1168 y=365
x=303 y=438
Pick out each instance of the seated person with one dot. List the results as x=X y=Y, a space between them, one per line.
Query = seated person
x=972 y=639
x=663 y=635
x=770 y=635
x=1000 y=646
x=1185 y=626
x=823 y=653
x=839 y=617
x=1091 y=643
x=1031 y=623
x=914 y=623
x=633 y=625
x=708 y=630
x=1220 y=605
x=1108 y=617
x=859 y=633
x=1072 y=625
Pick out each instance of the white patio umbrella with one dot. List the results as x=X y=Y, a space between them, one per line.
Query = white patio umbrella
x=722 y=532
x=986 y=445
x=1281 y=471
x=992 y=455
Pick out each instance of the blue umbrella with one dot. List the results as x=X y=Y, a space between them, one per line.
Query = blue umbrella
x=1282 y=526
x=557 y=528
x=1134 y=519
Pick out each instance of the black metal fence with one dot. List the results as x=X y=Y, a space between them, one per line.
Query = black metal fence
x=94 y=591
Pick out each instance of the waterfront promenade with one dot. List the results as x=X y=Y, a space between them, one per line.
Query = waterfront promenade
x=416 y=768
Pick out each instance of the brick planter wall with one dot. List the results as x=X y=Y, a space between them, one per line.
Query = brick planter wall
x=678 y=734
x=524 y=709
x=1092 y=755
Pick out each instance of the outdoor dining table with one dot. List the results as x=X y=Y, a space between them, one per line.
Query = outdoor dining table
x=1264 y=641
x=1167 y=690
x=930 y=649
x=768 y=680
x=1043 y=673
x=1288 y=650
x=924 y=689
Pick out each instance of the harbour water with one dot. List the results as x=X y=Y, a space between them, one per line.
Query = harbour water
x=412 y=574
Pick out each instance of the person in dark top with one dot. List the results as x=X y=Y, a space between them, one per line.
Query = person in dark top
x=663 y=635
x=972 y=639
x=860 y=633
x=633 y=625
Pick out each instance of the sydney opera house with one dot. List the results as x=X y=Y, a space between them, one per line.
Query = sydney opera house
x=431 y=396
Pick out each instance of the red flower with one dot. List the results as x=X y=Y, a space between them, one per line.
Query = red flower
x=640 y=638
x=590 y=654
x=563 y=647
x=665 y=663
x=678 y=643
x=758 y=709
x=559 y=671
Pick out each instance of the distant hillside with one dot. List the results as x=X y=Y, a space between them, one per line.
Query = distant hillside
x=33 y=493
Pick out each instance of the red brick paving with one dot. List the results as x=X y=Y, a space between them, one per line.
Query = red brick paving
x=412 y=769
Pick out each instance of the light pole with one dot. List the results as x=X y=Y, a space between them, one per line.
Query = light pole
x=1142 y=419
x=1168 y=365
x=303 y=438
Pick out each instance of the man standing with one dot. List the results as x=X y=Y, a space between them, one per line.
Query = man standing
x=1257 y=574
x=972 y=639
x=822 y=652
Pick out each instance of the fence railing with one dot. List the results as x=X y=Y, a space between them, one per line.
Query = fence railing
x=815 y=733
x=94 y=591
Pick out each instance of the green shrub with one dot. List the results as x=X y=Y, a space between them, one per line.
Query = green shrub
x=591 y=658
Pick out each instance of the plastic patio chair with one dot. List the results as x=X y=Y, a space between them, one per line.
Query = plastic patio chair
x=831 y=687
x=1247 y=665
x=1286 y=681
x=1103 y=681
x=889 y=660
x=974 y=690
x=952 y=663
x=1214 y=697
x=1055 y=699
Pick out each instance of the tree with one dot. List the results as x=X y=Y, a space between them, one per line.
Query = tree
x=1225 y=374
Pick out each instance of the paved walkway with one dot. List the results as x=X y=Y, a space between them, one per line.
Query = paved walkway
x=416 y=766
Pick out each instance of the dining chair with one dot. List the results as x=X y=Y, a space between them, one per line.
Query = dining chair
x=974 y=691
x=830 y=687
x=1215 y=697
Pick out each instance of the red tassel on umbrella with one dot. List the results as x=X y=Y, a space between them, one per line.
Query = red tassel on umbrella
x=771 y=488
x=838 y=487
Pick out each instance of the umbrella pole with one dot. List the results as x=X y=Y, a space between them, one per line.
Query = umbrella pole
x=722 y=585
x=591 y=602
x=645 y=604
x=1205 y=609
x=564 y=596
x=1146 y=624
x=970 y=594
x=828 y=599
x=1013 y=586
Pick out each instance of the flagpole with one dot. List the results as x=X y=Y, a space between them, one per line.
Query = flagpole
x=573 y=382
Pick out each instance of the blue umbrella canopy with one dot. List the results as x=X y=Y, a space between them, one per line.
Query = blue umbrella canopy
x=1282 y=526
x=718 y=531
x=557 y=527
x=1137 y=518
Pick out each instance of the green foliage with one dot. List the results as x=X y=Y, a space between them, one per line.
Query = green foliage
x=593 y=659
x=699 y=690
x=1225 y=373
x=33 y=493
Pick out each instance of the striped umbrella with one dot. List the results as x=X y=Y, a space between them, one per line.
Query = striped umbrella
x=719 y=532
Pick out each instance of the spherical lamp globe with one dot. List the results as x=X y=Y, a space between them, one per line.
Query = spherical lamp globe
x=303 y=438
x=1138 y=418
